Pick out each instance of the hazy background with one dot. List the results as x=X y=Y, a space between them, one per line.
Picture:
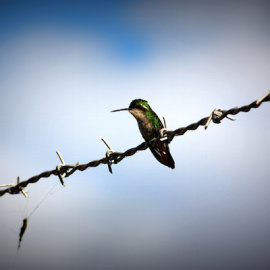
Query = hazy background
x=64 y=65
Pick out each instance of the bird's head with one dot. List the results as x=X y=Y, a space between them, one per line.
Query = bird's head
x=136 y=105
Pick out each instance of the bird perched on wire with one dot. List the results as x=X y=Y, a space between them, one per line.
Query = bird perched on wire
x=150 y=125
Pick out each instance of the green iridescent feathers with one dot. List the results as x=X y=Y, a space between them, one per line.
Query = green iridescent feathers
x=153 y=119
x=151 y=115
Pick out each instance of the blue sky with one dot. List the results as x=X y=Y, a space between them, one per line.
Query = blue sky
x=66 y=64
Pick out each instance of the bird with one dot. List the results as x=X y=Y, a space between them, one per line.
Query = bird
x=150 y=125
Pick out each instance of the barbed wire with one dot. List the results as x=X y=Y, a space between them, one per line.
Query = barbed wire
x=111 y=157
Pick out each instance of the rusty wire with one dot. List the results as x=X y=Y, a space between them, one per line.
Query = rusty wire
x=64 y=170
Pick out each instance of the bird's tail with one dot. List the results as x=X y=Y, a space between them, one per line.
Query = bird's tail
x=162 y=153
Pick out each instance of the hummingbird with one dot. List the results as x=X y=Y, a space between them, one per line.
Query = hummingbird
x=150 y=125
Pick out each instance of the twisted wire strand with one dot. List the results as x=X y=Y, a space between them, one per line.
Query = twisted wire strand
x=116 y=157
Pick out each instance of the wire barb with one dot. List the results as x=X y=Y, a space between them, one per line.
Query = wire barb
x=58 y=168
x=115 y=157
x=108 y=153
x=63 y=167
x=21 y=189
x=263 y=98
x=216 y=115
x=163 y=131
x=16 y=190
x=164 y=120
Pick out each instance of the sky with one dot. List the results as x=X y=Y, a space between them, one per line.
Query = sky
x=65 y=65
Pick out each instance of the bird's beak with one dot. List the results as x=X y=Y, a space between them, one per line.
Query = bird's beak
x=125 y=109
